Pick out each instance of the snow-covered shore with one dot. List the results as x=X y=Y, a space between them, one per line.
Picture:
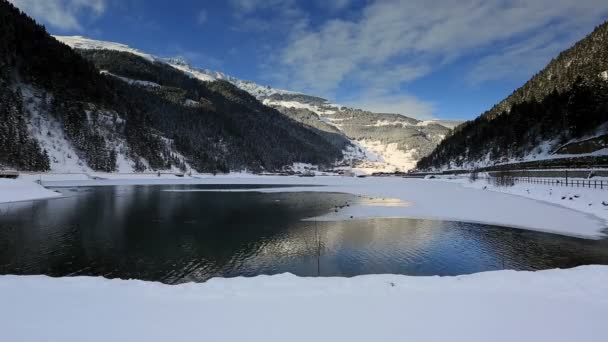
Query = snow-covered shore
x=409 y=198
x=23 y=190
x=587 y=200
x=553 y=305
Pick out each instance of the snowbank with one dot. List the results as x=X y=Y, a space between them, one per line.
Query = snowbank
x=12 y=190
x=554 y=305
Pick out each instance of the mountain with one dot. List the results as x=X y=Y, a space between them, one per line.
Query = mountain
x=388 y=142
x=558 y=117
x=123 y=110
x=371 y=141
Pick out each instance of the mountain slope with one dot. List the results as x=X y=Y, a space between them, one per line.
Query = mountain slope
x=390 y=142
x=382 y=142
x=61 y=112
x=560 y=113
x=238 y=129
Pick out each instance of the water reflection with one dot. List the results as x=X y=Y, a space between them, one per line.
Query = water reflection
x=147 y=233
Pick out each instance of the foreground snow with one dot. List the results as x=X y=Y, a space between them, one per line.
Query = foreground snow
x=554 y=305
x=12 y=190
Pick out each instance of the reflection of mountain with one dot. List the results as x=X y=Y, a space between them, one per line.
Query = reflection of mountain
x=145 y=233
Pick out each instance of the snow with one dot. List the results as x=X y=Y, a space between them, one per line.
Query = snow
x=299 y=105
x=63 y=157
x=356 y=151
x=604 y=75
x=49 y=133
x=552 y=305
x=132 y=81
x=446 y=123
x=53 y=177
x=403 y=198
x=198 y=74
x=304 y=167
x=392 y=157
x=80 y=42
x=13 y=190
x=207 y=75
x=382 y=123
x=259 y=91
x=586 y=200
x=191 y=103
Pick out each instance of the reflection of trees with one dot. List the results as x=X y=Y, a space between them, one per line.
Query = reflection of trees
x=147 y=233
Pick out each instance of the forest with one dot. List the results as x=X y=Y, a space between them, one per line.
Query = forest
x=567 y=100
x=215 y=126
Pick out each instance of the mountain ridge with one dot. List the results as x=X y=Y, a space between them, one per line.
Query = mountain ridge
x=389 y=154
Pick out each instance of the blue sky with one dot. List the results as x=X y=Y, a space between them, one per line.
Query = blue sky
x=422 y=58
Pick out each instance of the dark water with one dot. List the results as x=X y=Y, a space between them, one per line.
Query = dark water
x=148 y=233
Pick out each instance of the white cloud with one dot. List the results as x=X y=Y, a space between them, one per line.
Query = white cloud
x=393 y=42
x=519 y=59
x=268 y=15
x=334 y=5
x=62 y=14
x=202 y=17
x=250 y=6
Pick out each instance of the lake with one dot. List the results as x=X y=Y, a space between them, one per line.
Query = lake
x=159 y=234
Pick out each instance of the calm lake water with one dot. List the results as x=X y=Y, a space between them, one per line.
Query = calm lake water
x=149 y=233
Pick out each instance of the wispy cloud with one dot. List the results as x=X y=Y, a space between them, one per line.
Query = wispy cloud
x=266 y=15
x=202 y=16
x=523 y=57
x=61 y=14
x=334 y=5
x=250 y=6
x=397 y=34
x=393 y=42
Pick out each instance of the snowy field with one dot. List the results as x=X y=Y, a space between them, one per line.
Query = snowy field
x=554 y=305
x=452 y=200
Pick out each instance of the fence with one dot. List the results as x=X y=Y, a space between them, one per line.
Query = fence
x=578 y=183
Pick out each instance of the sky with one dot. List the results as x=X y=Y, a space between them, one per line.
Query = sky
x=422 y=58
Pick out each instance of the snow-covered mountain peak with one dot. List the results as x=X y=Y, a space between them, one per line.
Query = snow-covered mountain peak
x=178 y=60
x=257 y=90
x=80 y=42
